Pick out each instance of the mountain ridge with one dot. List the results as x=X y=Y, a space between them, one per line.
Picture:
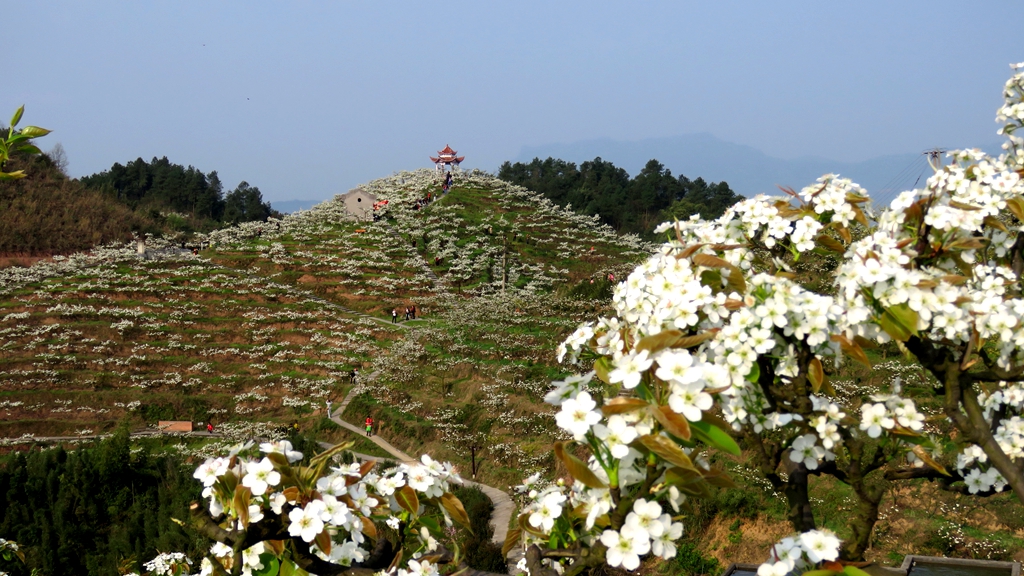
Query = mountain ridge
x=747 y=170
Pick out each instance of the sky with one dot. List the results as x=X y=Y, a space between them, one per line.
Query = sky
x=308 y=99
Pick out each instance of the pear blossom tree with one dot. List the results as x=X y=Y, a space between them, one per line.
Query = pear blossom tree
x=716 y=333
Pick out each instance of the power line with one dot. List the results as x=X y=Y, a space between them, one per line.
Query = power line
x=929 y=159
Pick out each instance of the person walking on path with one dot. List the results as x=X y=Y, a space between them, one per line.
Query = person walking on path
x=369 y=426
x=328 y=408
x=355 y=375
x=209 y=428
x=394 y=315
x=412 y=311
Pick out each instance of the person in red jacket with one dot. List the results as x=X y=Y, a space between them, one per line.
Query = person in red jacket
x=369 y=426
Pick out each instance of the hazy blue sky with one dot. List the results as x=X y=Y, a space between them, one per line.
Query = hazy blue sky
x=308 y=99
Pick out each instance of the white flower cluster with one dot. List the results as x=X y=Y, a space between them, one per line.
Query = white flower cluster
x=888 y=412
x=343 y=500
x=800 y=553
x=647 y=527
x=668 y=293
x=168 y=564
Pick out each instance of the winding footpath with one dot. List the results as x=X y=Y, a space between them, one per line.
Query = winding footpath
x=504 y=507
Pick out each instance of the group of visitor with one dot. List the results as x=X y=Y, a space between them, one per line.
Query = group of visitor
x=410 y=314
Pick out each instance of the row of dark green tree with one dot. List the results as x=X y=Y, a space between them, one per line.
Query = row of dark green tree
x=95 y=509
x=627 y=204
x=162 y=185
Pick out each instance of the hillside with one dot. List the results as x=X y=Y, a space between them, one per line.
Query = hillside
x=259 y=330
x=47 y=213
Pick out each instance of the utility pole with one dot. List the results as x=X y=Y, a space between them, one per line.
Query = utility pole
x=935 y=158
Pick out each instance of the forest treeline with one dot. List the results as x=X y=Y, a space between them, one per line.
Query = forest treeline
x=164 y=186
x=97 y=510
x=630 y=205
x=49 y=213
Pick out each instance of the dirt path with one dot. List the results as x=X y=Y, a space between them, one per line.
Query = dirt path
x=504 y=507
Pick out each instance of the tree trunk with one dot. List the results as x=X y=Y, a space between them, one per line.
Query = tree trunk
x=862 y=523
x=801 y=516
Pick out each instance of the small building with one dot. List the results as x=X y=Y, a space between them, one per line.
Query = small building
x=447 y=158
x=359 y=204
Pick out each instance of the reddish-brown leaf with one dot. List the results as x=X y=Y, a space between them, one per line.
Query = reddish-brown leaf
x=407 y=499
x=622 y=405
x=816 y=374
x=323 y=541
x=577 y=468
x=454 y=507
x=660 y=341
x=667 y=450
x=674 y=423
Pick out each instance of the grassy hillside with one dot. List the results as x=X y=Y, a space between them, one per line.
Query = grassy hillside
x=47 y=213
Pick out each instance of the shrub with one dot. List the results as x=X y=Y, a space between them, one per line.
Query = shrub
x=481 y=553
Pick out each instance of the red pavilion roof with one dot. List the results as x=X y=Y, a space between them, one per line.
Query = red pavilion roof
x=447 y=155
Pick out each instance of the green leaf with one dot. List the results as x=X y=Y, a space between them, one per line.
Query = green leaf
x=432 y=526
x=602 y=367
x=854 y=571
x=900 y=322
x=279 y=459
x=12 y=175
x=330 y=452
x=687 y=481
x=29 y=149
x=271 y=565
x=820 y=573
x=715 y=436
x=17 y=116
x=288 y=568
x=34 y=132
x=754 y=374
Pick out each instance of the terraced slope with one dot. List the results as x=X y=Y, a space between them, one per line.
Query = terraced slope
x=261 y=328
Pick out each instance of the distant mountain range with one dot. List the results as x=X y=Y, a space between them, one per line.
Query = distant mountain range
x=289 y=206
x=747 y=170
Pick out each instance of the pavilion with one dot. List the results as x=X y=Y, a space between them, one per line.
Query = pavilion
x=446 y=157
